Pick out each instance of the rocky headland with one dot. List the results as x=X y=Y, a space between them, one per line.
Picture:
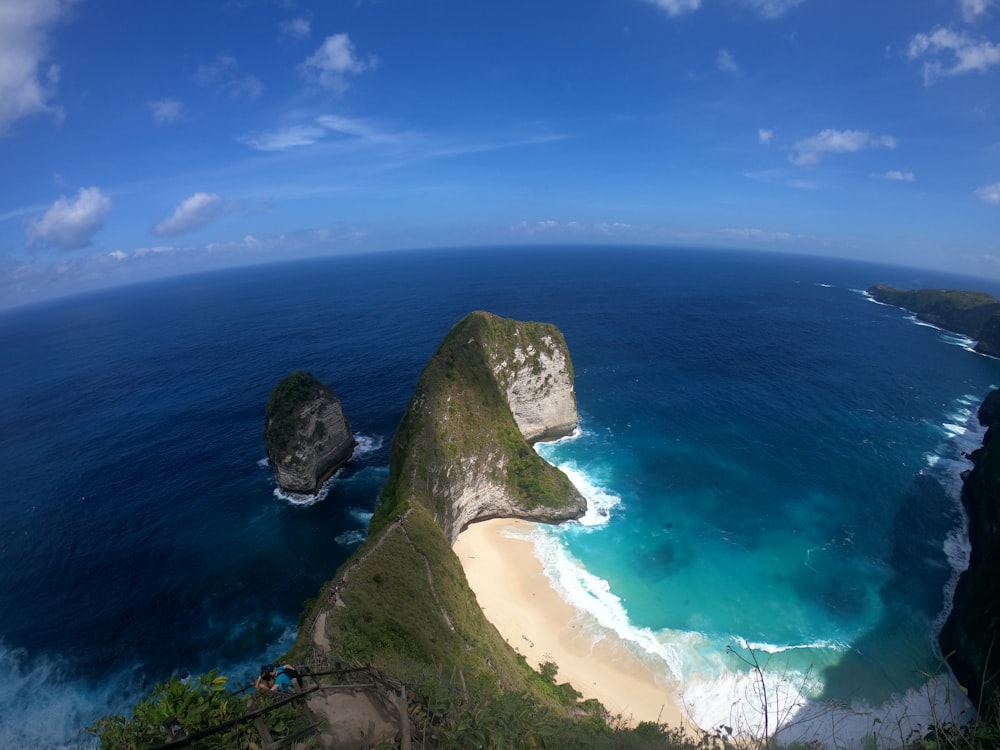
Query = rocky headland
x=969 y=639
x=306 y=435
x=972 y=314
x=463 y=449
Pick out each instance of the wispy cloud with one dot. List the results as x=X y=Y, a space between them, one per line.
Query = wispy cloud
x=321 y=128
x=771 y=8
x=726 y=62
x=946 y=53
x=336 y=59
x=676 y=7
x=192 y=213
x=896 y=176
x=25 y=88
x=765 y=136
x=990 y=194
x=69 y=224
x=552 y=227
x=165 y=111
x=225 y=75
x=973 y=9
x=295 y=29
x=809 y=151
x=754 y=234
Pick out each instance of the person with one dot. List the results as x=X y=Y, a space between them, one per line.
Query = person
x=284 y=676
x=278 y=678
x=266 y=679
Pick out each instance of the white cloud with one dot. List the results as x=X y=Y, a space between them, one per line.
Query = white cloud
x=142 y=252
x=771 y=8
x=69 y=224
x=296 y=29
x=897 y=176
x=676 y=7
x=764 y=136
x=725 y=62
x=282 y=139
x=225 y=75
x=334 y=61
x=753 y=234
x=25 y=89
x=193 y=213
x=118 y=255
x=946 y=52
x=973 y=9
x=307 y=134
x=550 y=226
x=990 y=194
x=809 y=151
x=165 y=111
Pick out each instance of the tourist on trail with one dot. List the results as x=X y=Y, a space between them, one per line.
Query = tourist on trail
x=278 y=678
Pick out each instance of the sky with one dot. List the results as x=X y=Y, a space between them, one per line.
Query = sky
x=158 y=137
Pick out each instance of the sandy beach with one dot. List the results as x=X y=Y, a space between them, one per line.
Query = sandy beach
x=518 y=599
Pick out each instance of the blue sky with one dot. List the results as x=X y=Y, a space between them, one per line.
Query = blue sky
x=168 y=136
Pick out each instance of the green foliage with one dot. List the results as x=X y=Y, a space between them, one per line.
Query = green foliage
x=281 y=416
x=198 y=703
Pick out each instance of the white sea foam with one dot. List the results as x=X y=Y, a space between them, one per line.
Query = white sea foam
x=46 y=708
x=965 y=434
x=892 y=724
x=592 y=595
x=350 y=538
x=362 y=515
x=367 y=444
x=304 y=501
x=601 y=501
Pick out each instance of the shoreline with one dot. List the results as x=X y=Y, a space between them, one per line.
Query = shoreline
x=516 y=596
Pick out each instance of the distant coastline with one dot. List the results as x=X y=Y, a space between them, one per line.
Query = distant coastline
x=972 y=314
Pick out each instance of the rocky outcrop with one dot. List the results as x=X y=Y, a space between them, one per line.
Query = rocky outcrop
x=972 y=314
x=970 y=638
x=463 y=448
x=306 y=434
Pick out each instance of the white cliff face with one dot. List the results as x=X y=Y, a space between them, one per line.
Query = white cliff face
x=540 y=391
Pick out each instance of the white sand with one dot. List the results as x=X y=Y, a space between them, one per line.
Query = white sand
x=517 y=597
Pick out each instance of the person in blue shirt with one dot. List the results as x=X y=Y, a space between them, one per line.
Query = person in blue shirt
x=278 y=678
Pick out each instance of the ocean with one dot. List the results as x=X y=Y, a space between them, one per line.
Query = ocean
x=771 y=458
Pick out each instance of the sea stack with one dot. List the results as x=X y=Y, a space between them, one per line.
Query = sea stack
x=306 y=435
x=969 y=637
x=463 y=449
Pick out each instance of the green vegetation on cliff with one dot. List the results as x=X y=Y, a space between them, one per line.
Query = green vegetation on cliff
x=281 y=416
x=973 y=314
x=459 y=422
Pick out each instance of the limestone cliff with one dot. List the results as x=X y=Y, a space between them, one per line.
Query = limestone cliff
x=972 y=314
x=971 y=636
x=462 y=449
x=306 y=434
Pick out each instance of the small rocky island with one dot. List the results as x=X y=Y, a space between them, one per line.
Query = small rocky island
x=306 y=435
x=969 y=637
x=972 y=314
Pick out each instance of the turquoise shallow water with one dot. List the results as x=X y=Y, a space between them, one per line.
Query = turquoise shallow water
x=773 y=459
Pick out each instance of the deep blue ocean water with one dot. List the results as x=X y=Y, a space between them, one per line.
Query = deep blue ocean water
x=772 y=460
